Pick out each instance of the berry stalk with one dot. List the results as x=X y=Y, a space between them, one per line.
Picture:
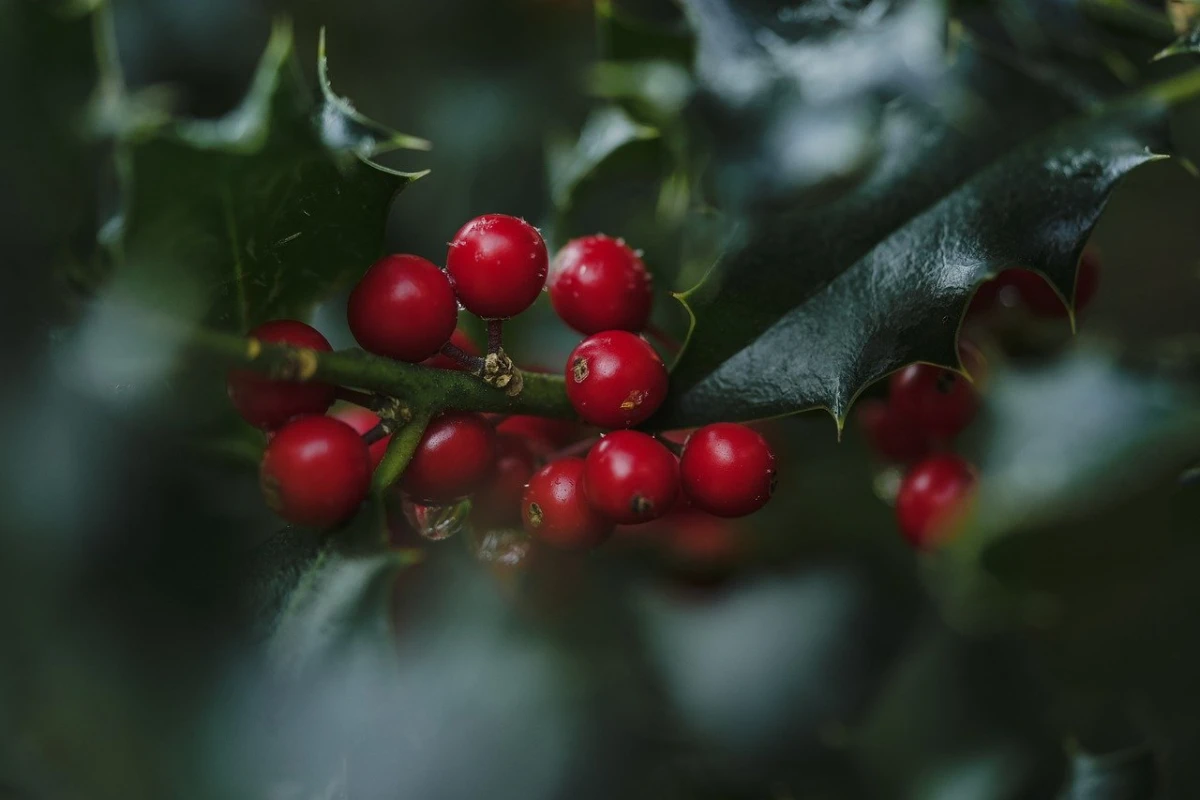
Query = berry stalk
x=400 y=451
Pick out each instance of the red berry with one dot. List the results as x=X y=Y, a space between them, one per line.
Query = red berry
x=600 y=284
x=1035 y=292
x=984 y=299
x=315 y=471
x=631 y=477
x=364 y=421
x=701 y=540
x=403 y=308
x=555 y=508
x=615 y=379
x=498 y=264
x=453 y=459
x=267 y=403
x=460 y=340
x=893 y=436
x=498 y=503
x=929 y=497
x=940 y=402
x=727 y=470
x=544 y=435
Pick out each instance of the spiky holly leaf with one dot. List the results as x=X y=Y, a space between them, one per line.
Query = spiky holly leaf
x=1189 y=42
x=811 y=305
x=257 y=214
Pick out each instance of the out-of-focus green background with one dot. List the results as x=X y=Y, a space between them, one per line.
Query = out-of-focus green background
x=823 y=668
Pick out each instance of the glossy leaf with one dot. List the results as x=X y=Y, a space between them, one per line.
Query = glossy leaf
x=259 y=213
x=809 y=306
x=1188 y=43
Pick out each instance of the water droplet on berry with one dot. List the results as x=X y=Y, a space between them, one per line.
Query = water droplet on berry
x=438 y=522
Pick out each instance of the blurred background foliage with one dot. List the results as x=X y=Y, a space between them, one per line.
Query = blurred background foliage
x=162 y=638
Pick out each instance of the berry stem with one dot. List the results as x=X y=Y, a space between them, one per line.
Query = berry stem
x=674 y=447
x=363 y=399
x=664 y=339
x=495 y=334
x=471 y=363
x=375 y=434
x=400 y=451
x=576 y=449
x=423 y=388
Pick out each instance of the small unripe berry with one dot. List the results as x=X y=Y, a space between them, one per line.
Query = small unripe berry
x=267 y=403
x=460 y=340
x=892 y=436
x=315 y=471
x=615 y=379
x=930 y=497
x=727 y=470
x=403 y=308
x=453 y=459
x=498 y=264
x=364 y=421
x=598 y=283
x=631 y=477
x=556 y=511
x=498 y=503
x=940 y=402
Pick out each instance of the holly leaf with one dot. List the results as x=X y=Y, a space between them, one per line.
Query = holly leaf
x=1125 y=775
x=1189 y=42
x=1077 y=455
x=808 y=306
x=257 y=214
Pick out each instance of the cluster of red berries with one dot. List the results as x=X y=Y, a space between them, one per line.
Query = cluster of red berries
x=928 y=407
x=316 y=469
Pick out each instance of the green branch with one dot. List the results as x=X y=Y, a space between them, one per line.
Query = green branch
x=420 y=388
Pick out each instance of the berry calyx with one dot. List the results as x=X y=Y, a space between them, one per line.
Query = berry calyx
x=315 y=471
x=463 y=342
x=364 y=421
x=403 y=308
x=894 y=437
x=615 y=379
x=453 y=459
x=498 y=264
x=598 y=283
x=631 y=477
x=930 y=496
x=266 y=402
x=727 y=470
x=940 y=402
x=498 y=503
x=556 y=511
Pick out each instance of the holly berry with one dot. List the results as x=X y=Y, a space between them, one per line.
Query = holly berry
x=555 y=507
x=364 y=421
x=598 y=283
x=727 y=470
x=940 y=402
x=403 y=308
x=542 y=434
x=268 y=403
x=315 y=471
x=498 y=264
x=929 y=497
x=498 y=503
x=463 y=342
x=453 y=459
x=893 y=436
x=615 y=379
x=631 y=477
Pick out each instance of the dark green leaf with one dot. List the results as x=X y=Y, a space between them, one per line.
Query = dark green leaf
x=1072 y=450
x=1187 y=43
x=1128 y=775
x=811 y=305
x=257 y=214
